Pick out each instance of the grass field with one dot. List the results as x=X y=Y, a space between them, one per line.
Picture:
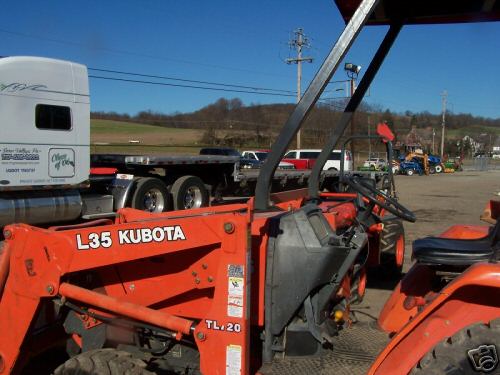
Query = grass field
x=473 y=131
x=125 y=137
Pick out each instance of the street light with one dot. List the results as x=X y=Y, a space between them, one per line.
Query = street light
x=352 y=70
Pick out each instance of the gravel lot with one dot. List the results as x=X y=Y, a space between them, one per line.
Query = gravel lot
x=438 y=201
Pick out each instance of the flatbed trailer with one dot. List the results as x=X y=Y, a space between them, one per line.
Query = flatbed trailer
x=296 y=179
x=220 y=174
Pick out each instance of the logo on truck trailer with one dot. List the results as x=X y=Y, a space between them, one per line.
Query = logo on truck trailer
x=19 y=154
x=61 y=162
x=16 y=87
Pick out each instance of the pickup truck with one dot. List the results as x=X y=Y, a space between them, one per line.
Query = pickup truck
x=261 y=156
x=305 y=159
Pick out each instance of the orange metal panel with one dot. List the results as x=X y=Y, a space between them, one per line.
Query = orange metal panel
x=466 y=232
x=472 y=297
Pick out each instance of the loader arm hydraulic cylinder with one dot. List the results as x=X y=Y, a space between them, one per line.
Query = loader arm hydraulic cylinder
x=127 y=309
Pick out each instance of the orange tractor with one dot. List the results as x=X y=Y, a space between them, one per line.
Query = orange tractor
x=265 y=286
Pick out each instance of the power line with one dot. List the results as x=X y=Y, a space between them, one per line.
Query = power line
x=189 y=80
x=188 y=86
x=130 y=53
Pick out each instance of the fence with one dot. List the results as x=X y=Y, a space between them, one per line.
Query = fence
x=481 y=163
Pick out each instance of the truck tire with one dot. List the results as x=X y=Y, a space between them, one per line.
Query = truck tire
x=472 y=350
x=439 y=169
x=391 y=247
x=151 y=195
x=410 y=172
x=103 y=362
x=189 y=192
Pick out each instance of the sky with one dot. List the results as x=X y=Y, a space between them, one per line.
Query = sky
x=246 y=43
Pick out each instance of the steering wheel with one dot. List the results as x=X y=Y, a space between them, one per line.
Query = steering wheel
x=389 y=203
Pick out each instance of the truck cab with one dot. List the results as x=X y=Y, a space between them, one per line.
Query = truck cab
x=44 y=117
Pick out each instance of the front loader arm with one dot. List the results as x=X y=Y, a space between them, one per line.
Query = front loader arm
x=169 y=267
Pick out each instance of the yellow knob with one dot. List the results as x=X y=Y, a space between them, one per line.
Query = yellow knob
x=339 y=314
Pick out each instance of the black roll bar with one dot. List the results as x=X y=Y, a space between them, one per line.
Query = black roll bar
x=353 y=103
x=308 y=100
x=389 y=151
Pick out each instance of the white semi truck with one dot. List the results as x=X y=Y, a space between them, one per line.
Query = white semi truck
x=47 y=174
x=45 y=166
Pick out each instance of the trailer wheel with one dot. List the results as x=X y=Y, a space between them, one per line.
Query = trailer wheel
x=474 y=349
x=189 y=192
x=439 y=169
x=392 y=248
x=150 y=194
x=103 y=362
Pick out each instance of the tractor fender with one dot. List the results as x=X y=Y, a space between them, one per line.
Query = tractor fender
x=472 y=297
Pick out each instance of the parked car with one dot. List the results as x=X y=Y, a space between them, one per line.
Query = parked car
x=305 y=159
x=227 y=151
x=261 y=155
x=376 y=163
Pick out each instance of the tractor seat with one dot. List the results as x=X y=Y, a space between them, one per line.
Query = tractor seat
x=456 y=252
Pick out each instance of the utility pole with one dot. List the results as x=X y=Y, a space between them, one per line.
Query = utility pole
x=433 y=135
x=444 y=96
x=353 y=122
x=369 y=140
x=299 y=42
x=352 y=71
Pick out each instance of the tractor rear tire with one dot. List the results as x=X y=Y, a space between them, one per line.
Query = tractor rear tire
x=476 y=345
x=189 y=192
x=103 y=362
x=391 y=247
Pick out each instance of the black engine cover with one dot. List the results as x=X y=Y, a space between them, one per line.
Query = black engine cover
x=303 y=254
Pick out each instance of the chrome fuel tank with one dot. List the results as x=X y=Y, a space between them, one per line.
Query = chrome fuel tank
x=40 y=207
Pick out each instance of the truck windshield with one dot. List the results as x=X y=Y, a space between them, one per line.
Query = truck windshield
x=261 y=155
x=309 y=154
x=334 y=156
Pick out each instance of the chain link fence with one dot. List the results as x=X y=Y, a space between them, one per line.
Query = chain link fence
x=482 y=163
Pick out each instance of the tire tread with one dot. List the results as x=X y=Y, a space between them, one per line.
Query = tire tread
x=103 y=362
x=447 y=357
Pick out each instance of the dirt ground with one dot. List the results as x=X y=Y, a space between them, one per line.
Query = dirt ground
x=439 y=201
